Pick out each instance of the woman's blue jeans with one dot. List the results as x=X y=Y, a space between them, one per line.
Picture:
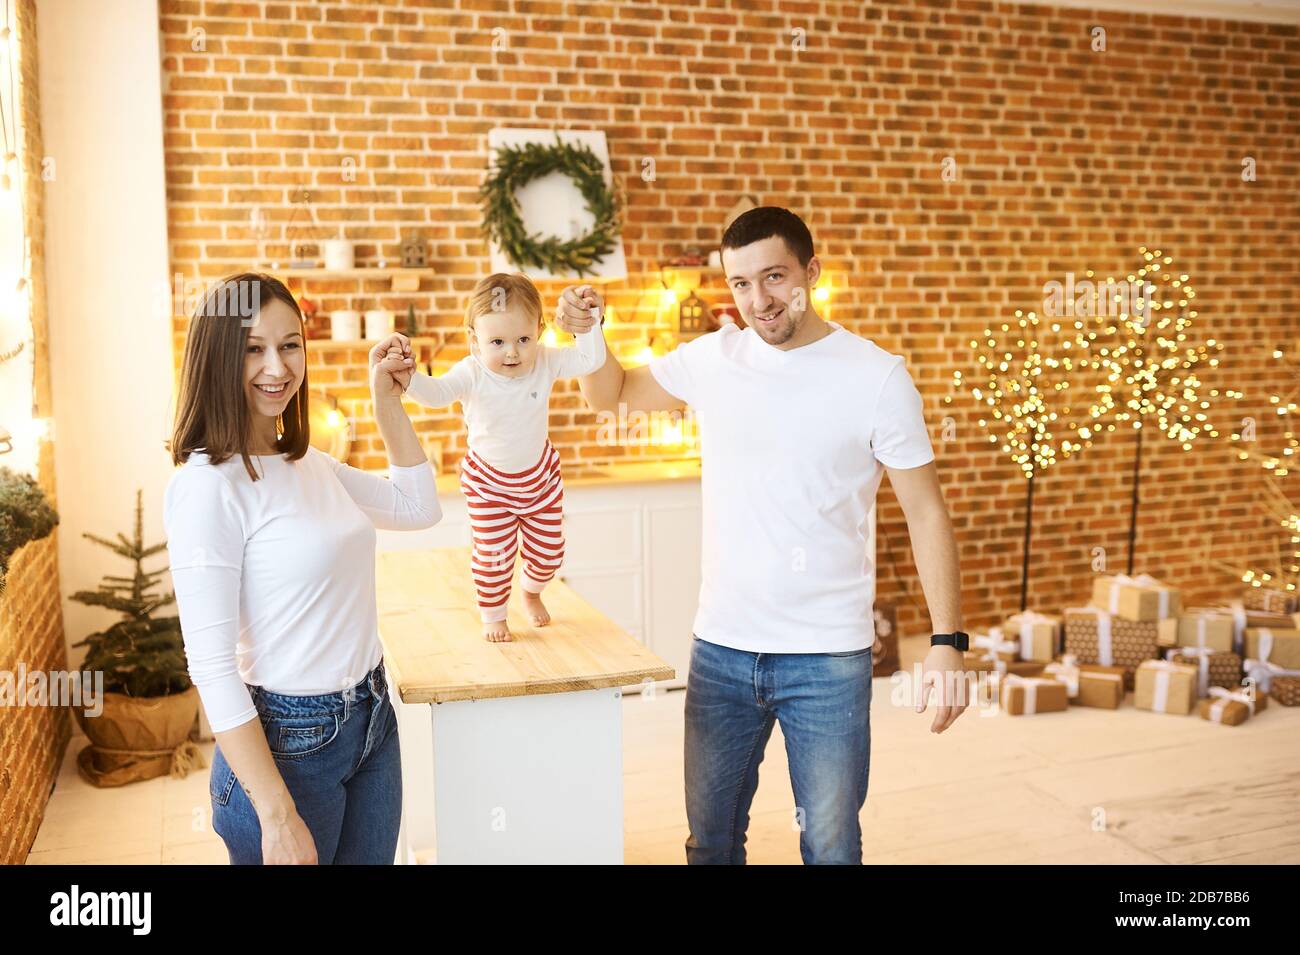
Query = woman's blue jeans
x=339 y=757
x=823 y=703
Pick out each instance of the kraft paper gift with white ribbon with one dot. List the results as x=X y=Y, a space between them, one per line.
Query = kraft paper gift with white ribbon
x=1108 y=592
x=1146 y=580
x=1065 y=670
x=1162 y=673
x=1222 y=697
x=1025 y=622
x=1263 y=671
x=994 y=643
x=1030 y=685
x=1202 y=665
x=1199 y=621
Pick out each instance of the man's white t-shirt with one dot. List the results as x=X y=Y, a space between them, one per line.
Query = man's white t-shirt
x=792 y=445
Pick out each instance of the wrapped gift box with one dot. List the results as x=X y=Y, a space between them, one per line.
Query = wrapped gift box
x=1065 y=670
x=1286 y=690
x=1167 y=633
x=1100 y=686
x=884 y=651
x=1263 y=673
x=1232 y=709
x=1214 y=668
x=1165 y=687
x=1021 y=668
x=1135 y=598
x=1095 y=636
x=996 y=645
x=1204 y=627
x=1275 y=646
x=1271 y=599
x=1243 y=618
x=1023 y=695
x=984 y=663
x=1039 y=635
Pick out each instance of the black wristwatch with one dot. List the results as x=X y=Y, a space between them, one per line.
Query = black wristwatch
x=958 y=640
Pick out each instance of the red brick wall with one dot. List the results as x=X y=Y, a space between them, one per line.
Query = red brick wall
x=1068 y=159
x=32 y=739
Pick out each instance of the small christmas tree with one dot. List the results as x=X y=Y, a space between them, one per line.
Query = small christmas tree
x=25 y=516
x=140 y=655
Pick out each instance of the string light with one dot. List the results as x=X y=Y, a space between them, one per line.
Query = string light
x=1151 y=374
x=23 y=435
x=1276 y=505
x=1027 y=370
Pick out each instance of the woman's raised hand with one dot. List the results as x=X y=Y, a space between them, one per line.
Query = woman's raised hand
x=391 y=366
x=579 y=309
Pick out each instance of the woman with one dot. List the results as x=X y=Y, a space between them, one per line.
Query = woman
x=272 y=551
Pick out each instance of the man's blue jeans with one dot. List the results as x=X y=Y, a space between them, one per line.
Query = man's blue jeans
x=823 y=702
x=339 y=757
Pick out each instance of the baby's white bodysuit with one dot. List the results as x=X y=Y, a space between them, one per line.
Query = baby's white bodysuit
x=507 y=417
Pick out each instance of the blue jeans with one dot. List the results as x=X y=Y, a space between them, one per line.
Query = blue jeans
x=823 y=702
x=339 y=758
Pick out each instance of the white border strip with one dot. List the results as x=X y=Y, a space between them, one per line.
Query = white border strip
x=1256 y=11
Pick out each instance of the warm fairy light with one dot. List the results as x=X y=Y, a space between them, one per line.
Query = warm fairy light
x=549 y=339
x=1277 y=504
x=1024 y=383
x=1151 y=374
x=821 y=294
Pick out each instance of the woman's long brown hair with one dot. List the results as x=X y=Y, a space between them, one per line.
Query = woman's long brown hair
x=212 y=411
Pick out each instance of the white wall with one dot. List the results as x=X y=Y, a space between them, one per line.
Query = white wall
x=106 y=259
x=1261 y=11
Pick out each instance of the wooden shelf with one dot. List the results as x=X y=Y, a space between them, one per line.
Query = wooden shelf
x=329 y=344
x=401 y=280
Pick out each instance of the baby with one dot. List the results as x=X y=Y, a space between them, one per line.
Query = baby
x=511 y=474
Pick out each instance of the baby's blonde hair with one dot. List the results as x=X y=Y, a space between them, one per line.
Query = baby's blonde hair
x=500 y=291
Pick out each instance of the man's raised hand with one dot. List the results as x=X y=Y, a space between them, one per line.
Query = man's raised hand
x=579 y=310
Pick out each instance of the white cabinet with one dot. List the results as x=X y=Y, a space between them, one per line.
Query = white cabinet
x=632 y=550
x=673 y=576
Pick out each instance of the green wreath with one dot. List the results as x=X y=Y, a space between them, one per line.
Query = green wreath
x=503 y=225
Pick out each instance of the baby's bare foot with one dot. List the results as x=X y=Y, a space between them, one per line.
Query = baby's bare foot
x=537 y=614
x=496 y=631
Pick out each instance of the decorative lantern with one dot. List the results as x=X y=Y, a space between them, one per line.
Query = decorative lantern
x=694 y=318
x=414 y=255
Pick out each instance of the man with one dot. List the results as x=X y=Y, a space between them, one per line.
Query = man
x=797 y=416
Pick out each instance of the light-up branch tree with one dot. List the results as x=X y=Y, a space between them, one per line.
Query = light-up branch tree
x=1281 y=568
x=1028 y=368
x=1140 y=337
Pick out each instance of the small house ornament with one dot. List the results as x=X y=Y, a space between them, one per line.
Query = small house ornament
x=414 y=255
x=694 y=318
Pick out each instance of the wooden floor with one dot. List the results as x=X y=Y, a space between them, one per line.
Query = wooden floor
x=1084 y=786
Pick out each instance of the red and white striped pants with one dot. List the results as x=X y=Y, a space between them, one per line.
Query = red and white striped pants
x=504 y=507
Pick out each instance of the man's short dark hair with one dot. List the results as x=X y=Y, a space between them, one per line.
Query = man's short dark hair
x=765 y=222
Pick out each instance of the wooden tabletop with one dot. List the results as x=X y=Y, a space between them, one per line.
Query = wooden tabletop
x=434 y=650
